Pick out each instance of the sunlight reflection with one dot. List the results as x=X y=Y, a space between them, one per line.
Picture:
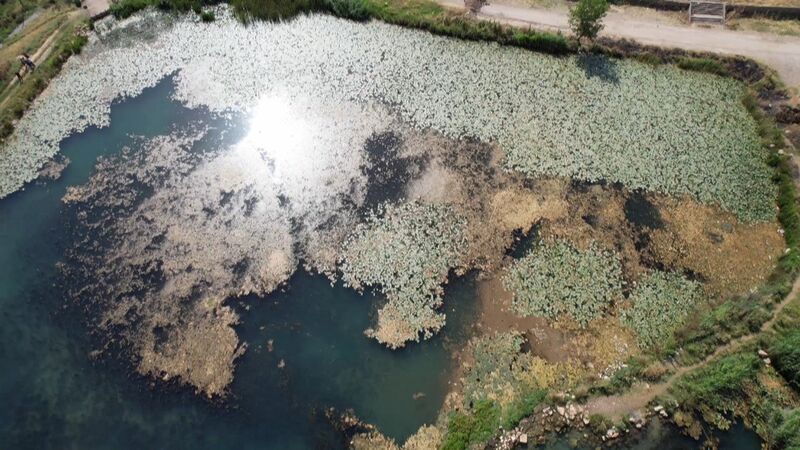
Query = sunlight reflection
x=278 y=136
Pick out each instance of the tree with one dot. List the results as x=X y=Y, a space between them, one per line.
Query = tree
x=584 y=18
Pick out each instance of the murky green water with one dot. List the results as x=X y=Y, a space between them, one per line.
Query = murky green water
x=307 y=351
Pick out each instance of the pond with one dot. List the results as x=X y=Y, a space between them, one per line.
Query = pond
x=223 y=258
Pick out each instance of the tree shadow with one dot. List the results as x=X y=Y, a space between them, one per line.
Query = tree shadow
x=599 y=66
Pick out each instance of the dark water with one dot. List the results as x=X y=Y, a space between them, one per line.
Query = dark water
x=55 y=396
x=661 y=436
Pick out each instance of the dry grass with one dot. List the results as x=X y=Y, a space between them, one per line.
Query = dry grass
x=763 y=25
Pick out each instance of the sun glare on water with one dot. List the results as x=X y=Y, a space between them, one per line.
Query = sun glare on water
x=278 y=138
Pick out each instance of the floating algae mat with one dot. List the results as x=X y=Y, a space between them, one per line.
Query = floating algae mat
x=265 y=222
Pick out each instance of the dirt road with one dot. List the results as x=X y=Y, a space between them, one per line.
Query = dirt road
x=779 y=52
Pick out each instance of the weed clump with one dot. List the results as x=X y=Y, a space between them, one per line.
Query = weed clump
x=705 y=65
x=660 y=303
x=406 y=251
x=557 y=279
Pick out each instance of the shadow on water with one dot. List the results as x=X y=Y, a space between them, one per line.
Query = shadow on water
x=599 y=66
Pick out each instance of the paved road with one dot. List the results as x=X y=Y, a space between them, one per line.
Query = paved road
x=779 y=52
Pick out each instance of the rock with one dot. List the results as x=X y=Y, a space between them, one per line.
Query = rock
x=523 y=438
x=762 y=353
x=612 y=433
x=560 y=410
x=586 y=421
x=571 y=411
x=767 y=361
x=658 y=408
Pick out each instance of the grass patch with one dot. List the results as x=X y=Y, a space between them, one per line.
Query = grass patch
x=250 y=10
x=125 y=8
x=430 y=16
x=705 y=65
x=714 y=389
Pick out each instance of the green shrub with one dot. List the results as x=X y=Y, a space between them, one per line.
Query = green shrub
x=788 y=435
x=705 y=65
x=477 y=425
x=649 y=58
x=248 y=10
x=522 y=408
x=785 y=354
x=555 y=44
x=348 y=9
x=207 y=16
x=716 y=384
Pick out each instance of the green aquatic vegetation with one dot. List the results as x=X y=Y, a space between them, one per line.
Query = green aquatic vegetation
x=586 y=117
x=492 y=369
x=406 y=251
x=557 y=279
x=659 y=304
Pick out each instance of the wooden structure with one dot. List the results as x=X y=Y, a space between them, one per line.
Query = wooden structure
x=707 y=12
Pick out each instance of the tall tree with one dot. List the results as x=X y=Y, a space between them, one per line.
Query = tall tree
x=585 y=18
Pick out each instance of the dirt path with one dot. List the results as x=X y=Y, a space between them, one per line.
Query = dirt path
x=640 y=395
x=779 y=52
x=38 y=57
